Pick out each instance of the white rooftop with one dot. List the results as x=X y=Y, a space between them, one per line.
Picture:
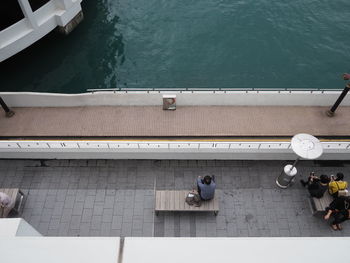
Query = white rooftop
x=59 y=249
x=247 y=250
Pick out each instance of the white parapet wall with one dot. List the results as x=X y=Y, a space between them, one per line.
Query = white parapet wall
x=36 y=25
x=183 y=98
x=162 y=149
x=59 y=249
x=169 y=249
x=227 y=250
x=17 y=227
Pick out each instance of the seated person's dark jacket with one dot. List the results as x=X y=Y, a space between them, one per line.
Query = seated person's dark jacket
x=340 y=203
x=316 y=189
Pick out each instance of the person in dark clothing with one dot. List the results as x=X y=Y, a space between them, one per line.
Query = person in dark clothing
x=340 y=203
x=339 y=217
x=339 y=209
x=316 y=186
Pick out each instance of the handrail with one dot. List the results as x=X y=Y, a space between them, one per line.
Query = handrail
x=148 y=89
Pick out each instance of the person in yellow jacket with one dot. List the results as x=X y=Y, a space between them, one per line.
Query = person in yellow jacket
x=337 y=184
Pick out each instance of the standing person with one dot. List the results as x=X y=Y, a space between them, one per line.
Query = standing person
x=206 y=187
x=316 y=186
x=337 y=184
x=5 y=203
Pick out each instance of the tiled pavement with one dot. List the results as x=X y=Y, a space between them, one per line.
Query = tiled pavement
x=116 y=197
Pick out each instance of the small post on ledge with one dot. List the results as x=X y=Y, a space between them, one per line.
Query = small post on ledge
x=9 y=113
x=331 y=112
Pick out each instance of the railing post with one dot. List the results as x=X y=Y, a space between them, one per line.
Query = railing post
x=331 y=112
x=28 y=13
x=9 y=113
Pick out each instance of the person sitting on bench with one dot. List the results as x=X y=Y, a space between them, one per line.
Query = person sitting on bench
x=339 y=217
x=206 y=187
x=337 y=184
x=316 y=186
x=340 y=203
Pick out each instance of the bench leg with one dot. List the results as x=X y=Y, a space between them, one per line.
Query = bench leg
x=20 y=202
x=157 y=213
x=18 y=209
x=216 y=213
x=312 y=207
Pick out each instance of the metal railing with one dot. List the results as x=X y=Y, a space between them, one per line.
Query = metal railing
x=211 y=89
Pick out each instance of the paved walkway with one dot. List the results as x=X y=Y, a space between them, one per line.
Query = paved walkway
x=185 y=121
x=116 y=198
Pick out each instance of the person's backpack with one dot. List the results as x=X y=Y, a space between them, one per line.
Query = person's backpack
x=342 y=192
x=193 y=198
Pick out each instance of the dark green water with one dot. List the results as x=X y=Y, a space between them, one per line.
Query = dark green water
x=190 y=44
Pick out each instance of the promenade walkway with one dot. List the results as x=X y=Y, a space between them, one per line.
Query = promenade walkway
x=116 y=197
x=185 y=121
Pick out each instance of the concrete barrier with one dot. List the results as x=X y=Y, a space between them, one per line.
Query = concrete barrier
x=187 y=150
x=184 y=98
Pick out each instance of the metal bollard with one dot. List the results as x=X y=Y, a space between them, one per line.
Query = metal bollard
x=286 y=178
x=9 y=113
x=331 y=112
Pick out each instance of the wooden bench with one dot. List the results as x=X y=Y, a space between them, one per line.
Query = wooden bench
x=168 y=200
x=319 y=205
x=16 y=196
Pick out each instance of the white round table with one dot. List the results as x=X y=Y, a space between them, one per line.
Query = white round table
x=306 y=146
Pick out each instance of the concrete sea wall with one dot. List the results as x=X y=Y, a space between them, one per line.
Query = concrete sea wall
x=184 y=98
